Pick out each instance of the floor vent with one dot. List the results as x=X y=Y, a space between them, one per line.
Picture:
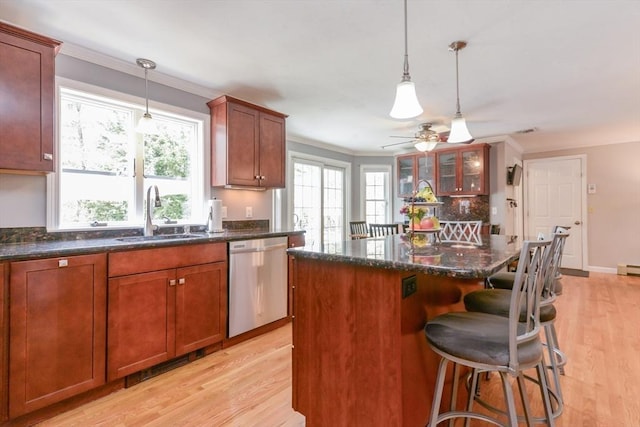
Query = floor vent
x=629 y=270
x=145 y=374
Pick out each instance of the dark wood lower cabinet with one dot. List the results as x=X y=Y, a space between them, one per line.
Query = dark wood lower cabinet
x=58 y=330
x=155 y=316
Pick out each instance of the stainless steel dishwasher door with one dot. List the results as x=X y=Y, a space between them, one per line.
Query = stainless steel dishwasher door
x=257 y=283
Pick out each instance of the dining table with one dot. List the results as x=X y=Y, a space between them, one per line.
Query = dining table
x=359 y=307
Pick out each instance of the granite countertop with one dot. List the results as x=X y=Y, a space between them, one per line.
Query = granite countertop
x=472 y=260
x=48 y=249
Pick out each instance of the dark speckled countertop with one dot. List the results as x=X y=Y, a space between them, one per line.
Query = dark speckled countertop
x=49 y=249
x=453 y=259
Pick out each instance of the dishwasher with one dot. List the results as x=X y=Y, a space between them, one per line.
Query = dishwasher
x=257 y=283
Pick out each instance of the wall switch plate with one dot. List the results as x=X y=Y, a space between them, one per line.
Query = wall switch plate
x=494 y=210
x=249 y=212
x=591 y=188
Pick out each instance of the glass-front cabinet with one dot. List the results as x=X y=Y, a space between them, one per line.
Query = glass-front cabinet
x=463 y=171
x=413 y=168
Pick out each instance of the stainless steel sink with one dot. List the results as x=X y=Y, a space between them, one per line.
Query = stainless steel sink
x=157 y=237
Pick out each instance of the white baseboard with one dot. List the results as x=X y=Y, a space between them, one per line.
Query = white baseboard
x=607 y=270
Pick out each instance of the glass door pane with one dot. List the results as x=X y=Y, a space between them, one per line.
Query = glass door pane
x=471 y=171
x=447 y=172
x=307 y=201
x=426 y=170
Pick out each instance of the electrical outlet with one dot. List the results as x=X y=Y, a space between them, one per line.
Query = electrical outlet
x=223 y=212
x=249 y=212
x=494 y=210
x=409 y=286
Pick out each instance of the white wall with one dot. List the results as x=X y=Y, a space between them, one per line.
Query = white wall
x=22 y=201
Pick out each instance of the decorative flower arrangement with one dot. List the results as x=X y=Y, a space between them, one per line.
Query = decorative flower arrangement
x=413 y=212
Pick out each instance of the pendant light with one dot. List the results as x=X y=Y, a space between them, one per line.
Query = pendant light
x=146 y=123
x=459 y=132
x=406 y=105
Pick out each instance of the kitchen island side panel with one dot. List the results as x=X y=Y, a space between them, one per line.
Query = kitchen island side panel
x=360 y=355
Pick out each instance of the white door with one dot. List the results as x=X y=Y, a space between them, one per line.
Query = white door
x=555 y=195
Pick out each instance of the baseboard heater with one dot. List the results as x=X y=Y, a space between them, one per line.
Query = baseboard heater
x=629 y=270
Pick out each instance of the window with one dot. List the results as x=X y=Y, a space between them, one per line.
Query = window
x=105 y=167
x=376 y=190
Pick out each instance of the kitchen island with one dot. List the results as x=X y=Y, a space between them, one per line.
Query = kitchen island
x=360 y=357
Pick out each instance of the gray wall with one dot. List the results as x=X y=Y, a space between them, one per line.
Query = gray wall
x=613 y=212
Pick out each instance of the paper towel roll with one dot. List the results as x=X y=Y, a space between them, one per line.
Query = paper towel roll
x=214 y=224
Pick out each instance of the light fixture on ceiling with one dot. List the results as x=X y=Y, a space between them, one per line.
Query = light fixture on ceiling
x=427 y=138
x=406 y=105
x=459 y=132
x=146 y=123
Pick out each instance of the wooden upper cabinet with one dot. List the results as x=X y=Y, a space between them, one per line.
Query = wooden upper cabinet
x=247 y=144
x=463 y=171
x=57 y=331
x=413 y=168
x=27 y=75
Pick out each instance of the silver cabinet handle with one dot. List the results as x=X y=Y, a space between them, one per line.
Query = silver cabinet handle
x=172 y=282
x=181 y=281
x=47 y=156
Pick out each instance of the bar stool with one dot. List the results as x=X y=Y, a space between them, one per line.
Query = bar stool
x=496 y=301
x=489 y=342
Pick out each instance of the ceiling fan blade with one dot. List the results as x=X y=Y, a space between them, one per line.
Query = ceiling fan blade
x=398 y=143
x=398 y=136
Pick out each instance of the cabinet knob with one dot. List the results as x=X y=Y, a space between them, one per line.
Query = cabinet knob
x=47 y=156
x=181 y=281
x=172 y=282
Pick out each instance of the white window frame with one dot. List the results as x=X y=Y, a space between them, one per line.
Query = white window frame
x=201 y=163
x=388 y=191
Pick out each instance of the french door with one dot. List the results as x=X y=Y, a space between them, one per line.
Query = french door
x=319 y=200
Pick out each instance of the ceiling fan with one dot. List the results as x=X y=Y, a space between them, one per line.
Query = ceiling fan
x=424 y=140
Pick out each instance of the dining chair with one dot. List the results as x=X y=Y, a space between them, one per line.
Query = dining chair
x=487 y=342
x=358 y=230
x=377 y=230
x=459 y=231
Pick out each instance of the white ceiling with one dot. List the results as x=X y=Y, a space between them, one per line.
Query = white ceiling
x=570 y=69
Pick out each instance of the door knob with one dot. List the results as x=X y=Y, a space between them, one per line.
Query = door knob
x=577 y=222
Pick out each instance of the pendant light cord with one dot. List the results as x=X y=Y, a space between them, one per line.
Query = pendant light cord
x=405 y=76
x=457 y=87
x=146 y=89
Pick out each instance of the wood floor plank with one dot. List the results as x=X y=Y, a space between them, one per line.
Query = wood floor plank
x=249 y=384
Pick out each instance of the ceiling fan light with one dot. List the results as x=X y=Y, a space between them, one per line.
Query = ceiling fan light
x=147 y=125
x=406 y=105
x=459 y=133
x=425 y=146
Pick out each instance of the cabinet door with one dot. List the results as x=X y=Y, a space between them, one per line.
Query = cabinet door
x=472 y=176
x=4 y=367
x=447 y=182
x=201 y=306
x=243 y=133
x=27 y=96
x=141 y=322
x=426 y=169
x=58 y=330
x=272 y=147
x=406 y=176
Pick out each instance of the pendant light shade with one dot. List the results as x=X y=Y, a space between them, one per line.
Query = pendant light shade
x=146 y=124
x=459 y=132
x=406 y=105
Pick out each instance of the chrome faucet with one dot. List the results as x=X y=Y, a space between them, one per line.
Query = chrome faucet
x=148 y=226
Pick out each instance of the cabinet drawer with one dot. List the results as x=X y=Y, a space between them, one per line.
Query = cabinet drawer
x=143 y=260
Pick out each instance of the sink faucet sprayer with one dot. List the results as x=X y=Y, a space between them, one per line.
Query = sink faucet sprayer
x=148 y=226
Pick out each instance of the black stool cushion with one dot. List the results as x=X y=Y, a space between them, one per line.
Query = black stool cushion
x=497 y=301
x=502 y=280
x=478 y=337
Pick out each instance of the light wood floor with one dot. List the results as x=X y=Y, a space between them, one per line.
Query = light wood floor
x=250 y=384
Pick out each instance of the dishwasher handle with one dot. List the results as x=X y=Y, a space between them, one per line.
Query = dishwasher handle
x=258 y=249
